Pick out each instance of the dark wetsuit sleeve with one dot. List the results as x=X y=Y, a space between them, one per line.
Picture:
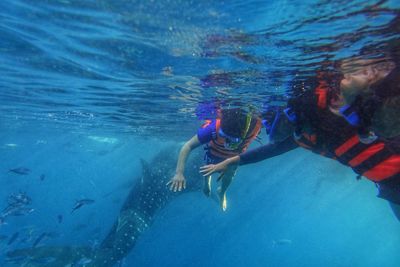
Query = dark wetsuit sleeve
x=268 y=151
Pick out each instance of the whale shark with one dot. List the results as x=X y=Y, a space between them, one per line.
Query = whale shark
x=148 y=195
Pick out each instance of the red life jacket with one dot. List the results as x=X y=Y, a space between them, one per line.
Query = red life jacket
x=216 y=146
x=335 y=138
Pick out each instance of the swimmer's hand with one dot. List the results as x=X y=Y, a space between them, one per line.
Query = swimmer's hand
x=207 y=170
x=220 y=167
x=177 y=183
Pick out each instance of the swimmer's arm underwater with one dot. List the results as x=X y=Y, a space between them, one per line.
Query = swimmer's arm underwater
x=252 y=156
x=178 y=182
x=268 y=151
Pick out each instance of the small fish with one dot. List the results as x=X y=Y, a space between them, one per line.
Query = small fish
x=281 y=242
x=93 y=184
x=13 y=238
x=11 y=145
x=42 y=177
x=59 y=218
x=19 y=211
x=40 y=238
x=20 y=198
x=80 y=203
x=20 y=171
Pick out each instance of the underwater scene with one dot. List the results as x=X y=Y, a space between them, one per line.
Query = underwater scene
x=114 y=114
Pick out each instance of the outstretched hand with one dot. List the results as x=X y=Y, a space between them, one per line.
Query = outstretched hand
x=177 y=183
x=207 y=170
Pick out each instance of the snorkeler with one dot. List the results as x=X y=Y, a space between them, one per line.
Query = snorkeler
x=317 y=125
x=371 y=94
x=224 y=137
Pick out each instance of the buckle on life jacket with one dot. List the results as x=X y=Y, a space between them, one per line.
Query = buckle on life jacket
x=367 y=138
x=290 y=114
x=292 y=117
x=271 y=122
x=350 y=115
x=364 y=134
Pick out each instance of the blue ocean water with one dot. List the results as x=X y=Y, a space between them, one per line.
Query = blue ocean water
x=93 y=91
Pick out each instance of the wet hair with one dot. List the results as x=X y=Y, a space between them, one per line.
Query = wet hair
x=233 y=121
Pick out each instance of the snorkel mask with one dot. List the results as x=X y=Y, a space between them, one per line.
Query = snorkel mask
x=232 y=142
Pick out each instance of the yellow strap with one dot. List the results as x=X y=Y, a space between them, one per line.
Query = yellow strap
x=248 y=122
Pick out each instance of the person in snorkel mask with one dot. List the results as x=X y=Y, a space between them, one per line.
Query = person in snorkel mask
x=371 y=93
x=227 y=136
x=314 y=120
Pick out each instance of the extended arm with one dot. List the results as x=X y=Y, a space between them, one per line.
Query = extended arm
x=252 y=156
x=267 y=151
x=178 y=182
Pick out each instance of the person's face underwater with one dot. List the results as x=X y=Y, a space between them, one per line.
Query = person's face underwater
x=356 y=81
x=360 y=74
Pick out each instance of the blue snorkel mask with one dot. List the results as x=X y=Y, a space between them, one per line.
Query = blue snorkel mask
x=230 y=141
x=234 y=142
